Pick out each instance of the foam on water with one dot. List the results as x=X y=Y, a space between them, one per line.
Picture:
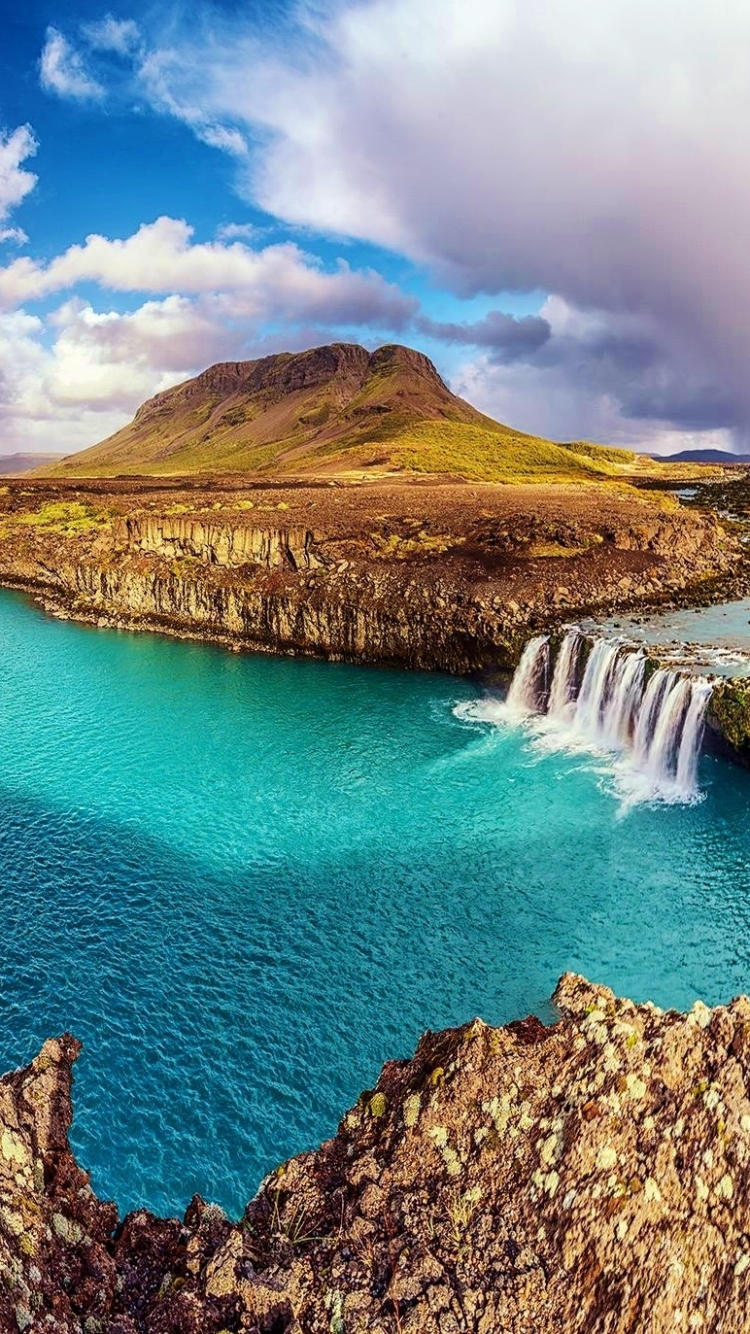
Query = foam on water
x=648 y=732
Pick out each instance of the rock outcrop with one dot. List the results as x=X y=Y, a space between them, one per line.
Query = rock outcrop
x=729 y=717
x=589 y=1176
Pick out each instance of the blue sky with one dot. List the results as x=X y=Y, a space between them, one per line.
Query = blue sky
x=512 y=191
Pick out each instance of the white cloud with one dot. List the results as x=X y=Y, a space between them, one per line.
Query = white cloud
x=226 y=139
x=595 y=152
x=15 y=234
x=238 y=231
x=70 y=378
x=62 y=70
x=280 y=281
x=156 y=78
x=121 y=36
x=15 y=182
x=71 y=389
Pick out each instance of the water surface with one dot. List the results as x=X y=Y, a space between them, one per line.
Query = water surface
x=713 y=639
x=244 y=882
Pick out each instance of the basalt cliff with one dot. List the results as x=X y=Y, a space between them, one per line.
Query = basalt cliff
x=591 y=1176
x=437 y=576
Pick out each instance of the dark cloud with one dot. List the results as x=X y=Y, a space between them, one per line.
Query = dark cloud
x=506 y=337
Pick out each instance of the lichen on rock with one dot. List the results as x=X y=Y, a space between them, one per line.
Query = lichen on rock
x=590 y=1175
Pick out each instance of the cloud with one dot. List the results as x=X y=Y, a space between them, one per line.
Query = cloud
x=508 y=337
x=15 y=182
x=70 y=377
x=154 y=78
x=62 y=70
x=59 y=397
x=16 y=235
x=603 y=377
x=280 y=281
x=76 y=377
x=596 y=154
x=223 y=137
x=239 y=231
x=120 y=36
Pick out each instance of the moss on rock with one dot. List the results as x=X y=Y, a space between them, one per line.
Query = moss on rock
x=729 y=713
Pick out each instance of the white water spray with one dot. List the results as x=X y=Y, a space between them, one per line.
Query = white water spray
x=563 y=691
x=655 y=726
x=528 y=689
x=692 y=736
x=660 y=684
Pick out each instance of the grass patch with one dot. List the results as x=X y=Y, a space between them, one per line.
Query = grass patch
x=552 y=550
x=482 y=454
x=67 y=517
x=601 y=453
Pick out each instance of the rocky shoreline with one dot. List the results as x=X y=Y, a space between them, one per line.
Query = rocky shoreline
x=593 y=1175
x=424 y=576
x=438 y=577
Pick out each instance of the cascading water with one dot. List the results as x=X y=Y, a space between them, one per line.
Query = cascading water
x=528 y=689
x=563 y=691
x=655 y=725
x=627 y=693
x=659 y=685
x=595 y=688
x=692 y=736
x=664 y=747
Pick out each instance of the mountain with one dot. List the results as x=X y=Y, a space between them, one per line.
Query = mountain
x=12 y=464
x=724 y=456
x=331 y=410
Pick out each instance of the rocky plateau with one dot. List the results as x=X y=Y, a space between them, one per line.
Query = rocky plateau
x=427 y=575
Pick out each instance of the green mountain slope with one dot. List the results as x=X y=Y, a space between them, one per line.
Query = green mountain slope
x=332 y=410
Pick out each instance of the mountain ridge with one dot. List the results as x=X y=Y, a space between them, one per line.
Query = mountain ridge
x=19 y=462
x=722 y=456
x=331 y=410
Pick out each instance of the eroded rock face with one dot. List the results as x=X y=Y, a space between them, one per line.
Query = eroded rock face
x=436 y=577
x=589 y=1176
x=55 y=1266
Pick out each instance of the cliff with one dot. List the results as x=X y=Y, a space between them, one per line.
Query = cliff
x=593 y=1175
x=437 y=577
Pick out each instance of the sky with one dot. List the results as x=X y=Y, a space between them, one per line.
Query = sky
x=551 y=199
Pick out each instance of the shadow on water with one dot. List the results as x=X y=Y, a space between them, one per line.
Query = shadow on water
x=228 y=1021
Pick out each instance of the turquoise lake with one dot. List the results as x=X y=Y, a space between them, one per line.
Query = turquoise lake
x=244 y=882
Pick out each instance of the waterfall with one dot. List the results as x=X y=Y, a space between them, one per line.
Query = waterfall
x=562 y=693
x=659 y=685
x=528 y=689
x=595 y=688
x=665 y=742
x=692 y=736
x=627 y=693
x=655 y=726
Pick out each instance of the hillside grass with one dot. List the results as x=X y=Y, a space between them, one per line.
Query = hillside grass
x=477 y=452
x=601 y=453
x=483 y=454
x=397 y=442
